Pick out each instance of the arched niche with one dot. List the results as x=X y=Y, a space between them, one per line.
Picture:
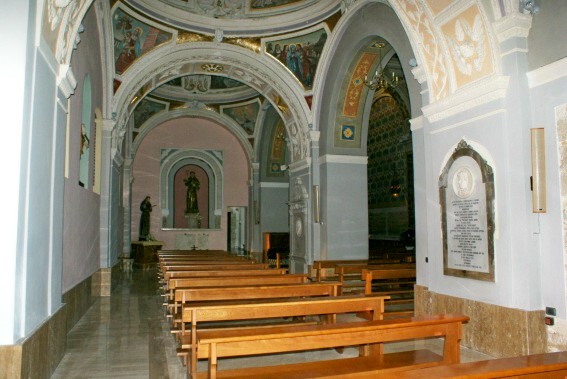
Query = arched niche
x=211 y=162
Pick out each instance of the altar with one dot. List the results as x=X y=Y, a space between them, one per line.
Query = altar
x=145 y=252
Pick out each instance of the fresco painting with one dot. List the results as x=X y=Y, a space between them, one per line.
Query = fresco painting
x=300 y=54
x=132 y=38
x=244 y=115
x=146 y=109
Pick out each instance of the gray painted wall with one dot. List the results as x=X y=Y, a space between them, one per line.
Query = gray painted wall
x=344 y=217
x=546 y=41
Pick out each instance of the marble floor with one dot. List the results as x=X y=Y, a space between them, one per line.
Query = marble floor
x=126 y=335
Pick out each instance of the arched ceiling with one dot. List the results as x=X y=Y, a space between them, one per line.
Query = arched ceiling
x=261 y=17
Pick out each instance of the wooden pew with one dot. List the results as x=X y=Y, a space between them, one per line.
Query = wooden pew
x=398 y=284
x=272 y=309
x=228 y=281
x=240 y=272
x=232 y=281
x=213 y=345
x=326 y=269
x=537 y=366
x=185 y=295
x=212 y=266
x=350 y=275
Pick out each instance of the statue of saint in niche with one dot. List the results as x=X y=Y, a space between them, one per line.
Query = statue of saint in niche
x=193 y=185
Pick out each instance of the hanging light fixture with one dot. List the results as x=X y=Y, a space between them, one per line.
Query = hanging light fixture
x=380 y=80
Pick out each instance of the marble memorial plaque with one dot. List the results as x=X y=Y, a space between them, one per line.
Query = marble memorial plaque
x=467 y=197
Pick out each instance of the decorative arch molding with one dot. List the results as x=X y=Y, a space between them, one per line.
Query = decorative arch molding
x=205 y=113
x=264 y=75
x=437 y=35
x=211 y=161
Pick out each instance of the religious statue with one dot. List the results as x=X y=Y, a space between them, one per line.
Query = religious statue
x=193 y=186
x=146 y=207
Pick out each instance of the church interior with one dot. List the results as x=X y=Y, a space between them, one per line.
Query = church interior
x=428 y=133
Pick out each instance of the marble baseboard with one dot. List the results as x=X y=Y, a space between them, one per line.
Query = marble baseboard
x=38 y=355
x=78 y=300
x=494 y=330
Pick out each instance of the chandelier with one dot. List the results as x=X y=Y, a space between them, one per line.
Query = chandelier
x=380 y=80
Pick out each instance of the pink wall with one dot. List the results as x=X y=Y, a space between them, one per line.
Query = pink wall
x=81 y=209
x=187 y=133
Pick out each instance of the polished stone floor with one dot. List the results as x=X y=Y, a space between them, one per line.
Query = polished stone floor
x=126 y=335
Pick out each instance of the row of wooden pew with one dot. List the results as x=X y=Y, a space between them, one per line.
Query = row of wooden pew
x=209 y=294
x=392 y=279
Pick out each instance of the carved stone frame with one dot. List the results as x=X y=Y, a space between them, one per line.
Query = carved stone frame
x=464 y=150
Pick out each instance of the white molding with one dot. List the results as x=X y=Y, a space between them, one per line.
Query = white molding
x=482 y=92
x=299 y=165
x=468 y=121
x=345 y=159
x=416 y=123
x=47 y=54
x=419 y=74
x=314 y=135
x=515 y=25
x=274 y=185
x=66 y=80
x=546 y=74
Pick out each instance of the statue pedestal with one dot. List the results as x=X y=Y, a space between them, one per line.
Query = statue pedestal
x=144 y=253
x=193 y=220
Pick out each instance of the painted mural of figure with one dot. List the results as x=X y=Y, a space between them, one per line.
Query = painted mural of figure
x=129 y=50
x=283 y=54
x=146 y=207
x=193 y=186
x=292 y=61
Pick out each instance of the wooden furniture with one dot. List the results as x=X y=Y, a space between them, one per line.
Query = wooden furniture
x=239 y=272
x=196 y=314
x=231 y=281
x=350 y=275
x=185 y=295
x=397 y=283
x=144 y=253
x=213 y=345
x=537 y=366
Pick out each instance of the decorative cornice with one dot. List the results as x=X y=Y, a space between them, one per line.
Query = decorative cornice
x=515 y=25
x=345 y=159
x=314 y=135
x=416 y=123
x=299 y=165
x=66 y=80
x=419 y=74
x=484 y=91
x=548 y=73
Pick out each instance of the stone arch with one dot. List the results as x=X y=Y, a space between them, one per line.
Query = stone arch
x=262 y=74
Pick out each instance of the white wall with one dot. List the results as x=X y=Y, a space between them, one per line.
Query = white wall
x=15 y=36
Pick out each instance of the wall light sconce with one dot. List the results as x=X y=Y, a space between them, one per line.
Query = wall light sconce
x=316 y=204
x=537 y=180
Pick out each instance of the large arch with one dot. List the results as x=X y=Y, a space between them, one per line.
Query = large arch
x=260 y=73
